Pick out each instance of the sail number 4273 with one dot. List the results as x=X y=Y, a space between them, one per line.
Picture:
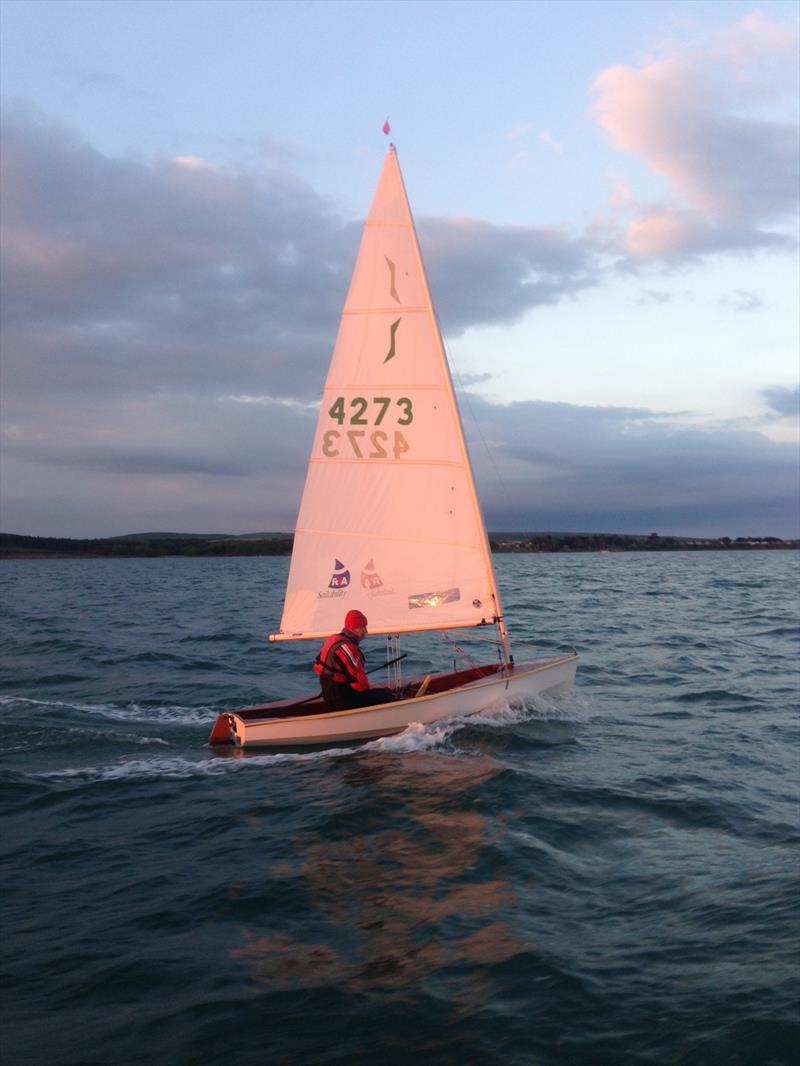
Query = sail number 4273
x=360 y=443
x=359 y=407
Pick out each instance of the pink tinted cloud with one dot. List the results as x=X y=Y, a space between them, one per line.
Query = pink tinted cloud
x=689 y=115
x=755 y=38
x=658 y=233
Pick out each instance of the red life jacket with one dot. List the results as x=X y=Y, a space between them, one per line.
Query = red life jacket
x=326 y=663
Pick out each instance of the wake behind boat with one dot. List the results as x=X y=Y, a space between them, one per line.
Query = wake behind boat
x=390 y=521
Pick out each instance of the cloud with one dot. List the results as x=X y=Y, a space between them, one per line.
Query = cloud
x=178 y=274
x=567 y=467
x=693 y=115
x=783 y=401
x=120 y=464
x=742 y=301
x=653 y=296
x=486 y=274
x=152 y=312
x=118 y=274
x=523 y=130
x=92 y=79
x=166 y=325
x=237 y=464
x=548 y=139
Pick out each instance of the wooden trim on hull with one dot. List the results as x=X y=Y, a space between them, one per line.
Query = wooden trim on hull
x=292 y=722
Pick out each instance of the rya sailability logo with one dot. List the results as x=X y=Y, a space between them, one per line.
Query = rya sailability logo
x=337 y=586
x=340 y=578
x=373 y=583
x=370 y=578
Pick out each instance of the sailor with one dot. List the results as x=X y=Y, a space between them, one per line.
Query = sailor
x=340 y=667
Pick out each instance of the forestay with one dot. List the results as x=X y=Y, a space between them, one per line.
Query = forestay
x=389 y=520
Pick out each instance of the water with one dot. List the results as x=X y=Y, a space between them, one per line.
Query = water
x=608 y=879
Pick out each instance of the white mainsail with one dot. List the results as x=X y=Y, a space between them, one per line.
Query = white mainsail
x=389 y=521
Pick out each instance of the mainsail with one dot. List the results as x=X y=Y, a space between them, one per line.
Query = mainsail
x=389 y=521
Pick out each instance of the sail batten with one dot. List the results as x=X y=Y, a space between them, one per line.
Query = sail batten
x=417 y=386
x=377 y=632
x=382 y=310
x=378 y=462
x=389 y=520
x=396 y=540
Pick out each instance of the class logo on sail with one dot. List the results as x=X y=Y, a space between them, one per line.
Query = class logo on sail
x=394 y=294
x=372 y=582
x=392 y=279
x=337 y=586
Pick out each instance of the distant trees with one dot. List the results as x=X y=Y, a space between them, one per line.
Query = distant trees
x=14 y=545
x=621 y=542
x=22 y=547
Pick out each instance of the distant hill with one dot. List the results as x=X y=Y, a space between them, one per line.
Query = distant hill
x=200 y=536
x=170 y=536
x=625 y=542
x=147 y=545
x=144 y=545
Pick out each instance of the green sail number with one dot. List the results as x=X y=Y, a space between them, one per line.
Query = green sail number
x=360 y=406
x=358 y=443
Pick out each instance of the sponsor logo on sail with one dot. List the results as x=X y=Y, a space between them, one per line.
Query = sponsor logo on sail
x=372 y=582
x=337 y=586
x=434 y=599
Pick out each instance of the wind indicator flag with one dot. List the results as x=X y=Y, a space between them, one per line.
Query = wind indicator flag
x=387 y=129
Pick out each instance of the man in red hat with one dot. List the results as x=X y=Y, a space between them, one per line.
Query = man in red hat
x=340 y=667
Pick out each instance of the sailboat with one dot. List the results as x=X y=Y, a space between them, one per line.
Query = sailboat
x=389 y=521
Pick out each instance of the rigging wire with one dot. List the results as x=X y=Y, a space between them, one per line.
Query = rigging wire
x=475 y=423
x=394 y=661
x=459 y=650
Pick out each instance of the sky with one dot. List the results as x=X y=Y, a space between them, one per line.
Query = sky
x=606 y=199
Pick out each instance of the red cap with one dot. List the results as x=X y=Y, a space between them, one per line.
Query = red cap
x=354 y=620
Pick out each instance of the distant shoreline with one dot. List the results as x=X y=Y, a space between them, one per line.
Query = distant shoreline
x=156 y=545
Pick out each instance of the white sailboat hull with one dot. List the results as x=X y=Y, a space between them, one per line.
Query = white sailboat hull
x=261 y=727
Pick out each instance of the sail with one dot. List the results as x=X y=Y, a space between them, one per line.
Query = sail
x=389 y=521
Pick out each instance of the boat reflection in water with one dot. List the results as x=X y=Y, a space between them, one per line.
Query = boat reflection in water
x=402 y=900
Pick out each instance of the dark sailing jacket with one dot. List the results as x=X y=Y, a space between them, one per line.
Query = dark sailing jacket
x=341 y=660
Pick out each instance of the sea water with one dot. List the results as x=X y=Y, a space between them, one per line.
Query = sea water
x=609 y=878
